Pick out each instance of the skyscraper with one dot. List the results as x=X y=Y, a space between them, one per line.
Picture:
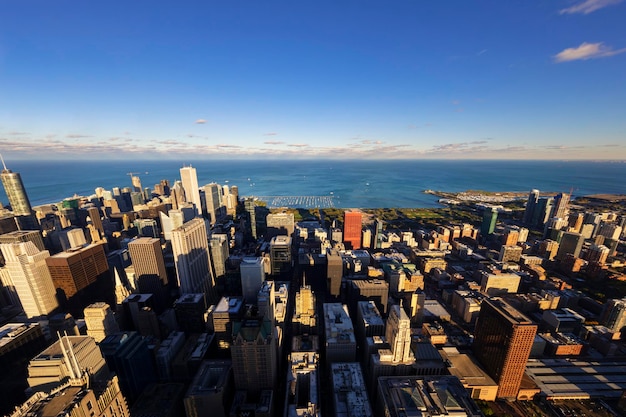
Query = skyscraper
x=190 y=185
x=334 y=272
x=18 y=199
x=561 y=205
x=100 y=321
x=30 y=277
x=128 y=355
x=280 y=254
x=252 y=278
x=147 y=257
x=14 y=188
x=219 y=253
x=305 y=317
x=571 y=242
x=279 y=224
x=398 y=334
x=502 y=342
x=531 y=205
x=614 y=315
x=250 y=207
x=75 y=270
x=67 y=358
x=213 y=207
x=136 y=183
x=352 y=224
x=190 y=245
x=490 y=217
x=254 y=354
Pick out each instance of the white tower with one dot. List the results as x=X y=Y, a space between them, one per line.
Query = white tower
x=190 y=185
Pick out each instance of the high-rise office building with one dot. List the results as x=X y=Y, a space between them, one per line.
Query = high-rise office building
x=190 y=245
x=71 y=238
x=597 y=254
x=252 y=278
x=189 y=179
x=147 y=227
x=65 y=359
x=490 y=217
x=16 y=193
x=531 y=205
x=398 y=334
x=334 y=272
x=352 y=225
x=29 y=274
x=305 y=316
x=127 y=355
x=543 y=211
x=376 y=290
x=174 y=219
x=502 y=342
x=249 y=204
x=561 y=205
x=378 y=233
x=177 y=195
x=18 y=199
x=78 y=398
x=614 y=315
x=254 y=354
x=230 y=199
x=213 y=206
x=24 y=236
x=219 y=254
x=149 y=264
x=222 y=316
x=280 y=254
x=190 y=312
x=100 y=321
x=266 y=300
x=279 y=224
x=571 y=243
x=75 y=270
x=136 y=181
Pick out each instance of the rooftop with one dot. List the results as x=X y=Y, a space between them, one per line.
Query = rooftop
x=12 y=331
x=576 y=379
x=426 y=396
x=349 y=390
x=510 y=313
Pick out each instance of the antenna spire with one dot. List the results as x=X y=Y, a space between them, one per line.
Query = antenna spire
x=3 y=164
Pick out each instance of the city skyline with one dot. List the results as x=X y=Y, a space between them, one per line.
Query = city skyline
x=486 y=80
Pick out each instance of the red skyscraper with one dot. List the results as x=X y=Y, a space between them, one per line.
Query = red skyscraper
x=352 y=229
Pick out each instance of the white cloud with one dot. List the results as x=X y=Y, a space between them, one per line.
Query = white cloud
x=200 y=122
x=587 y=51
x=589 y=6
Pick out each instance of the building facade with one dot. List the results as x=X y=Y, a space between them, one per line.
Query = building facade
x=190 y=246
x=503 y=339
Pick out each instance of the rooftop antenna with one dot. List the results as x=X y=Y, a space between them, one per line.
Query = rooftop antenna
x=73 y=356
x=3 y=164
x=68 y=362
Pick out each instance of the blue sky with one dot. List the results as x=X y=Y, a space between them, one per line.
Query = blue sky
x=495 y=79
